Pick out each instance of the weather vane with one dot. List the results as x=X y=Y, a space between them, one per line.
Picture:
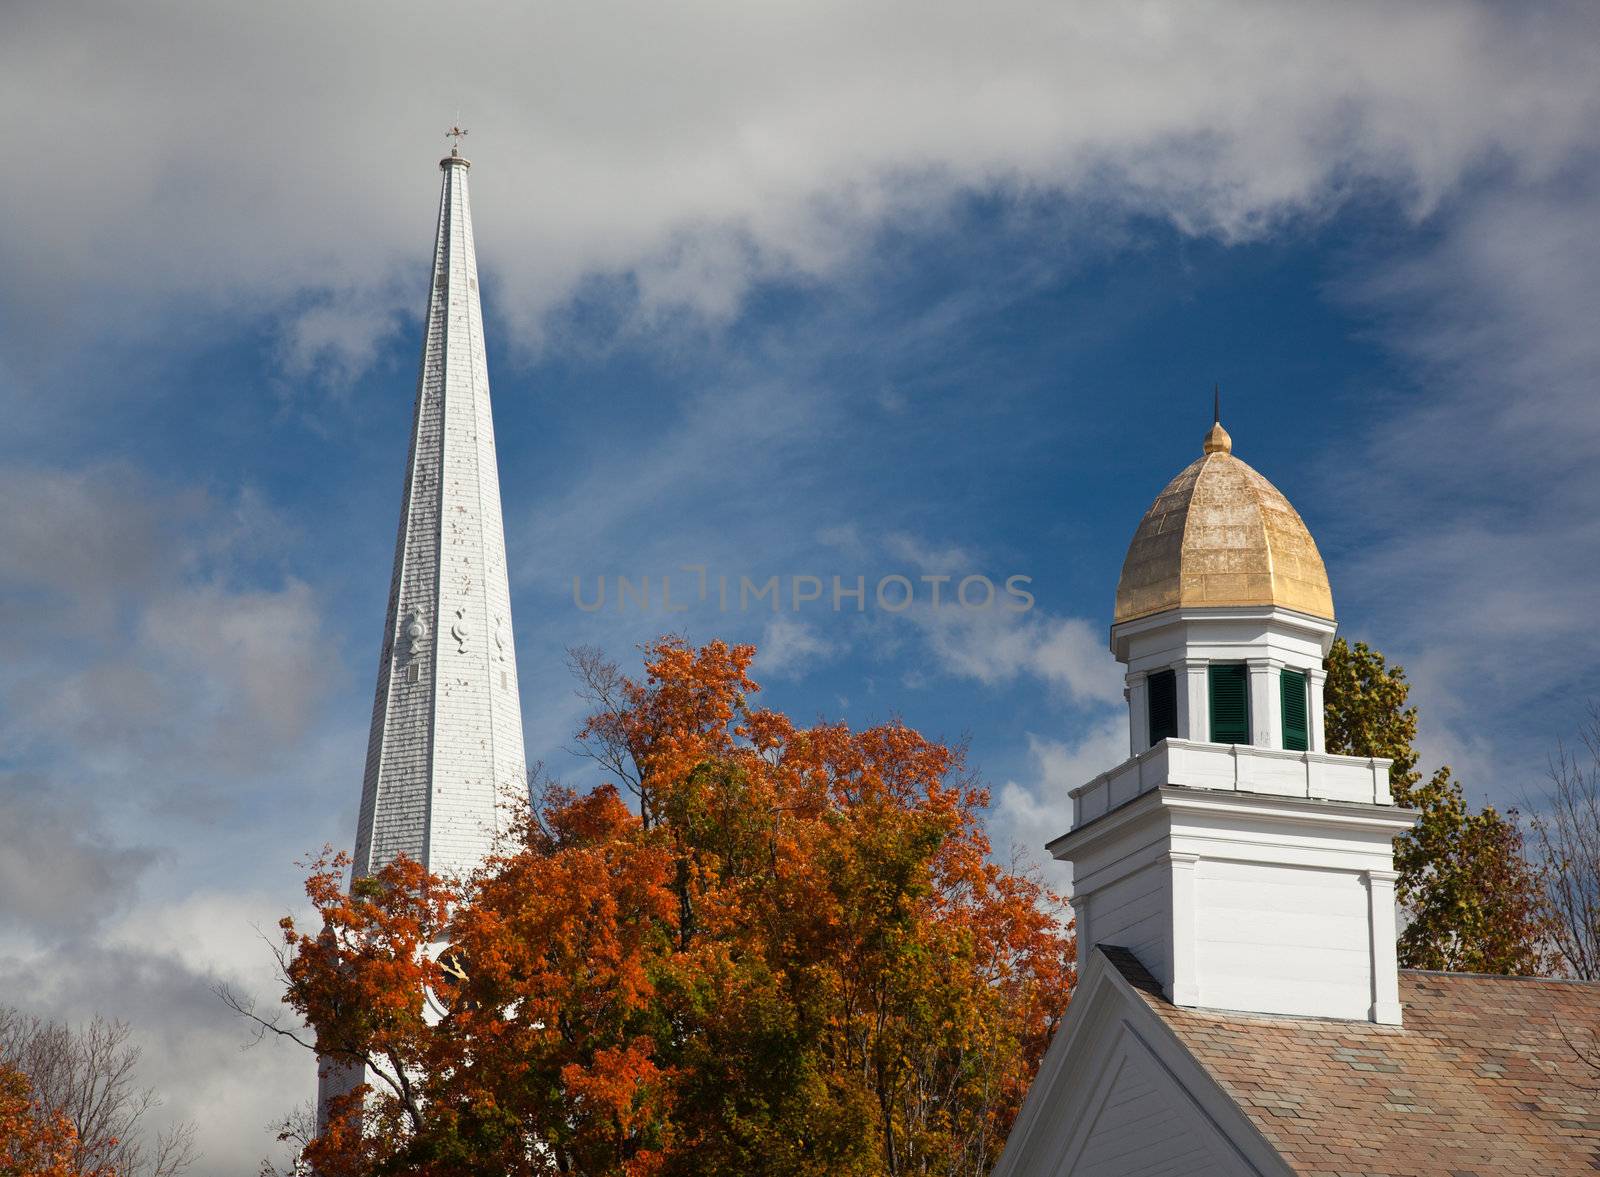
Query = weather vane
x=455 y=134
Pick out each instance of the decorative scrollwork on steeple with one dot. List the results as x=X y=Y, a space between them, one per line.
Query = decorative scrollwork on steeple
x=415 y=630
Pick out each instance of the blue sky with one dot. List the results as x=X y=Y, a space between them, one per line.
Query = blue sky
x=815 y=290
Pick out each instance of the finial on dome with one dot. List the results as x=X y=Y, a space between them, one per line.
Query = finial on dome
x=1217 y=440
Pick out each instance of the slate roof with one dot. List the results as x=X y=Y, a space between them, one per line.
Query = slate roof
x=1483 y=1080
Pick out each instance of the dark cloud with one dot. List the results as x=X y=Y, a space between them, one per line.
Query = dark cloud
x=136 y=650
x=201 y=1058
x=161 y=712
x=77 y=542
x=59 y=872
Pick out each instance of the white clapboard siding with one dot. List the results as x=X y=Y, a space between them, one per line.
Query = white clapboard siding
x=1280 y=939
x=1140 y=1131
x=1135 y=913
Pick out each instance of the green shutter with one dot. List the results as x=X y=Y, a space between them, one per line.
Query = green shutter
x=1163 y=688
x=1230 y=703
x=1292 y=686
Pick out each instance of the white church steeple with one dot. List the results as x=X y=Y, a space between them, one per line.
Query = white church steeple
x=446 y=738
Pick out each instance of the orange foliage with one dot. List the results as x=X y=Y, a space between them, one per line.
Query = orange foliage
x=35 y=1142
x=796 y=957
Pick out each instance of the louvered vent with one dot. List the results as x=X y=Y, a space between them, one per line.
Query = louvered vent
x=1230 y=703
x=1163 y=687
x=1292 y=686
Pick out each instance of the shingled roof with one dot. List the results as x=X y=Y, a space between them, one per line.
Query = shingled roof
x=1483 y=1080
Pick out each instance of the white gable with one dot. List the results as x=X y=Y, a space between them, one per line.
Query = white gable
x=1143 y=1124
x=1117 y=1096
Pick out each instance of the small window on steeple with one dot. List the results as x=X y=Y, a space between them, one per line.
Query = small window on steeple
x=1163 y=697
x=1230 y=703
x=1296 y=733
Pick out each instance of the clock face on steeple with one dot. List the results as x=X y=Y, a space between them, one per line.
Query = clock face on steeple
x=453 y=978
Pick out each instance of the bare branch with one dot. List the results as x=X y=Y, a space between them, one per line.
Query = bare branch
x=296 y=1130
x=89 y=1075
x=245 y=1007
x=1587 y=1053
x=1566 y=836
x=392 y=1077
x=601 y=684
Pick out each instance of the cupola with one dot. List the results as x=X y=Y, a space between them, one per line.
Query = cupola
x=1242 y=864
x=1223 y=612
x=1221 y=534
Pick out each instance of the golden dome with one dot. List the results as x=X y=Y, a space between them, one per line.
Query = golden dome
x=1220 y=534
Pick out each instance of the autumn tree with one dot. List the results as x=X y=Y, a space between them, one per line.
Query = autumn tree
x=790 y=954
x=34 y=1141
x=1471 y=899
x=86 y=1077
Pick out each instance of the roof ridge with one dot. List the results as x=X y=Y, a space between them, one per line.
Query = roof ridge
x=1500 y=977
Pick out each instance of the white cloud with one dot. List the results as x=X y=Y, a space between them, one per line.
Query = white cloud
x=995 y=646
x=844 y=538
x=339 y=338
x=1005 y=639
x=169 y=750
x=276 y=160
x=1030 y=812
x=789 y=648
x=929 y=556
x=234 y=153
x=157 y=968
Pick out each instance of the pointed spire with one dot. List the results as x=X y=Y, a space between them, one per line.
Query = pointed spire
x=446 y=735
x=446 y=739
x=1217 y=439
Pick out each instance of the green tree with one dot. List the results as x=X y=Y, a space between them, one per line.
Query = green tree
x=1472 y=902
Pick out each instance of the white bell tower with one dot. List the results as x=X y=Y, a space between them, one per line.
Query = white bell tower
x=1243 y=865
